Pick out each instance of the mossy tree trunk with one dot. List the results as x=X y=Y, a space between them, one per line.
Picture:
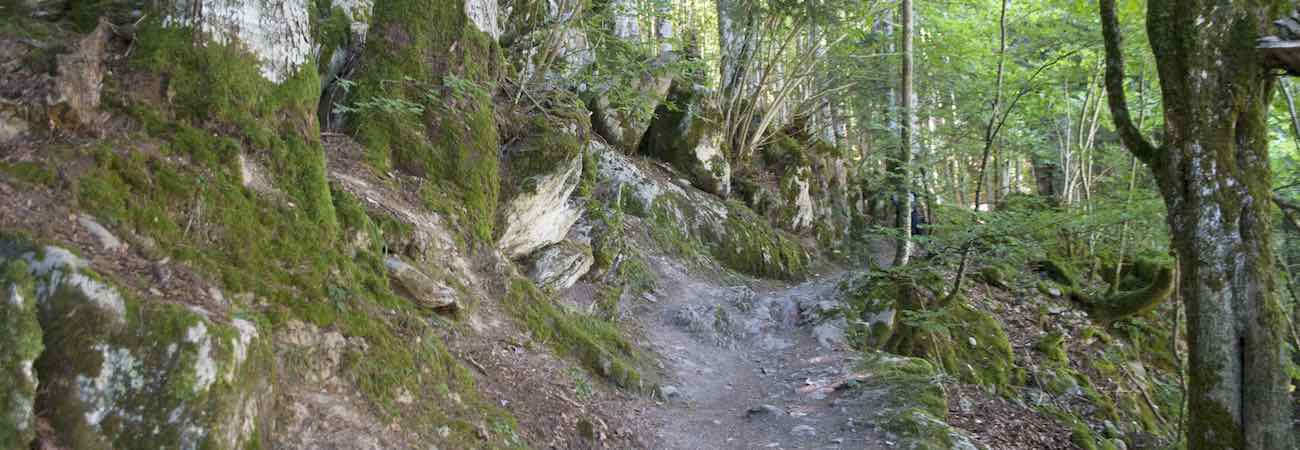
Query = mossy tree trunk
x=1214 y=176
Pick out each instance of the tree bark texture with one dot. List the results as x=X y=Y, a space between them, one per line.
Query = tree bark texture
x=1214 y=176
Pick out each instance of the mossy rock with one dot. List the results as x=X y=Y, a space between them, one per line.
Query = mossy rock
x=965 y=341
x=981 y=352
x=688 y=134
x=1060 y=380
x=995 y=276
x=1058 y=270
x=542 y=172
x=20 y=345
x=784 y=152
x=874 y=304
x=117 y=371
x=729 y=231
x=1050 y=289
x=754 y=195
x=913 y=378
x=597 y=344
x=1081 y=435
x=753 y=246
x=795 y=209
x=626 y=120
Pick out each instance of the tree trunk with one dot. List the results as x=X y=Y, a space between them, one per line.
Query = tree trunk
x=904 y=170
x=735 y=42
x=1290 y=108
x=1214 y=176
x=664 y=28
x=627 y=24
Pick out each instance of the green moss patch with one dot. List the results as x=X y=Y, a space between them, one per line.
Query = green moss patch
x=20 y=345
x=596 y=343
x=423 y=103
x=751 y=245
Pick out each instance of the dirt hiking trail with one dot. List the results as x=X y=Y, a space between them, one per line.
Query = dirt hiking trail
x=747 y=368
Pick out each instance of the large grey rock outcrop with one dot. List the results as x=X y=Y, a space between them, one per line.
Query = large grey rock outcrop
x=729 y=231
x=317 y=406
x=484 y=15
x=118 y=372
x=356 y=14
x=689 y=136
x=547 y=40
x=559 y=266
x=625 y=127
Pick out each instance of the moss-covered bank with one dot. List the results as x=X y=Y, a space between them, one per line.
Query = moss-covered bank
x=423 y=102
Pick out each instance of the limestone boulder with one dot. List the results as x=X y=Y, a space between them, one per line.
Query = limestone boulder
x=546 y=34
x=118 y=372
x=689 y=136
x=624 y=126
x=425 y=290
x=484 y=15
x=560 y=265
x=351 y=19
x=540 y=176
x=12 y=124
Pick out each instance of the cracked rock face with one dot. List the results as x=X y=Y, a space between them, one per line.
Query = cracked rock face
x=278 y=33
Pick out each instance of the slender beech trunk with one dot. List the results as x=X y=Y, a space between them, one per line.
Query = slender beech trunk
x=664 y=27
x=990 y=135
x=1290 y=108
x=1214 y=176
x=627 y=24
x=903 y=251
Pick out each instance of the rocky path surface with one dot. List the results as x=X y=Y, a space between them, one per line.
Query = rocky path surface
x=747 y=368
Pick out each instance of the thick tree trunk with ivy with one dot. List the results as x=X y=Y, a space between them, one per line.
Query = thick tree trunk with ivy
x=1214 y=175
